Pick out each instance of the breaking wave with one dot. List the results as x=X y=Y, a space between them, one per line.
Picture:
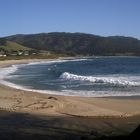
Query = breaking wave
x=122 y=81
x=63 y=80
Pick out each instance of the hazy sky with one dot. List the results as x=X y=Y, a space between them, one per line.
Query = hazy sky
x=100 y=17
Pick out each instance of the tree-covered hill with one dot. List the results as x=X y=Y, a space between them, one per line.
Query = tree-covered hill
x=79 y=43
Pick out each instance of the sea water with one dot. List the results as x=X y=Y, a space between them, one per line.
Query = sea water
x=95 y=77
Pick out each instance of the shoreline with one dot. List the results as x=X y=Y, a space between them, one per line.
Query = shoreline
x=11 y=63
x=50 y=104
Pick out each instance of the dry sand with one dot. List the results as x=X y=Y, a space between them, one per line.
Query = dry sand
x=44 y=104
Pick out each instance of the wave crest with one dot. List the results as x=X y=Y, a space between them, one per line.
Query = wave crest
x=123 y=81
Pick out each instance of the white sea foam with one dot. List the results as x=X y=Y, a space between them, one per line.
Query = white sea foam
x=56 y=61
x=102 y=79
x=115 y=80
x=5 y=73
x=63 y=92
x=92 y=93
x=71 y=92
x=8 y=70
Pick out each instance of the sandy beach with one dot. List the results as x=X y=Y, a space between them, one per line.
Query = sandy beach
x=19 y=101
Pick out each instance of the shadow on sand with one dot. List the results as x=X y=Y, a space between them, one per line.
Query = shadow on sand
x=19 y=126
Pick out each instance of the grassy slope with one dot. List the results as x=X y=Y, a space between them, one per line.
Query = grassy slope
x=12 y=46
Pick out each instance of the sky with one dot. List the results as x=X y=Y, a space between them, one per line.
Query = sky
x=99 y=17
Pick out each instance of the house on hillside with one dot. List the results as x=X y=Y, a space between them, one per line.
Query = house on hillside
x=26 y=53
x=20 y=52
x=11 y=53
x=44 y=53
x=2 y=53
x=33 y=52
x=14 y=53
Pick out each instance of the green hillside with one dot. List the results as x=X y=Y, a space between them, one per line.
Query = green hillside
x=12 y=46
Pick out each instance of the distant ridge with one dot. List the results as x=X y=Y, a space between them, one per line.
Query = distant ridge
x=79 y=43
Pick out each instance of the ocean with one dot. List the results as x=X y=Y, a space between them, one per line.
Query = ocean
x=88 y=77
